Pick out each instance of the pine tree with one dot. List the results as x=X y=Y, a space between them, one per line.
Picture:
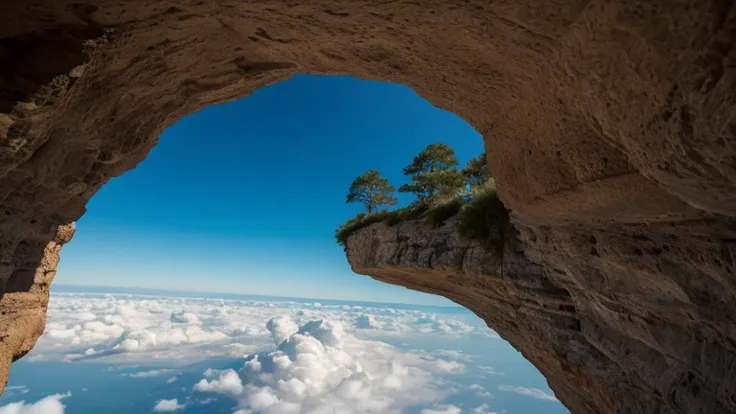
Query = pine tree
x=432 y=173
x=371 y=190
x=476 y=171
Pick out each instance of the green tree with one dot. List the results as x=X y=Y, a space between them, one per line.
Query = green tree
x=476 y=171
x=371 y=190
x=432 y=173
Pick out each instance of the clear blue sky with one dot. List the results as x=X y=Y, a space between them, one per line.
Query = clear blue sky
x=244 y=197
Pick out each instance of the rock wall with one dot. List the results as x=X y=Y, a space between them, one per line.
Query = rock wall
x=609 y=126
x=23 y=308
x=644 y=349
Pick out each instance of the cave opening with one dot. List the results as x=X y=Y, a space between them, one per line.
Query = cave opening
x=609 y=128
x=237 y=205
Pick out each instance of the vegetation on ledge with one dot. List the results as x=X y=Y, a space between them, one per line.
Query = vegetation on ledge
x=442 y=192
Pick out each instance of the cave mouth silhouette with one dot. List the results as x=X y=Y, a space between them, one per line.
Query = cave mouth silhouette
x=608 y=127
x=179 y=179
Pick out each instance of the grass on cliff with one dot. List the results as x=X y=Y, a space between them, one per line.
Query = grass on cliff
x=391 y=218
x=482 y=216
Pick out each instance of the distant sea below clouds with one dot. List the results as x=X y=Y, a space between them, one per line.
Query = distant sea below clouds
x=120 y=350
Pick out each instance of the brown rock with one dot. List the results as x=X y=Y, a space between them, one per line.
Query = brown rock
x=644 y=349
x=23 y=306
x=609 y=120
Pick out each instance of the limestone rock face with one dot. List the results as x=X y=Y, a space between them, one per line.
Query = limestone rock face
x=23 y=308
x=645 y=350
x=609 y=127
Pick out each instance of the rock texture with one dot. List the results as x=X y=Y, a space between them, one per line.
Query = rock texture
x=609 y=126
x=645 y=352
x=23 y=307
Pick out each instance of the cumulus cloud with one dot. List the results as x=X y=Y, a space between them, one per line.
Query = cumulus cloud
x=529 y=392
x=445 y=409
x=130 y=328
x=228 y=383
x=49 y=405
x=321 y=368
x=281 y=328
x=168 y=406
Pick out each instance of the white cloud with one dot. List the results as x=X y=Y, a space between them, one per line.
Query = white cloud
x=449 y=366
x=49 y=405
x=479 y=390
x=489 y=370
x=318 y=358
x=483 y=409
x=139 y=328
x=16 y=390
x=529 y=392
x=322 y=369
x=281 y=328
x=151 y=373
x=453 y=354
x=227 y=383
x=446 y=409
x=168 y=406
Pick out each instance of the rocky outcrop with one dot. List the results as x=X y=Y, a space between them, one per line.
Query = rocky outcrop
x=627 y=341
x=608 y=125
x=23 y=307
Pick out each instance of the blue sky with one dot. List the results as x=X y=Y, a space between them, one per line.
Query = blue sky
x=244 y=197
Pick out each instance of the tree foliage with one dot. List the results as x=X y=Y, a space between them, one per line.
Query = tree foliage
x=476 y=171
x=432 y=173
x=441 y=191
x=371 y=190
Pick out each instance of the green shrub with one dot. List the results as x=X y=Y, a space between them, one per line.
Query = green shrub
x=411 y=212
x=357 y=223
x=437 y=214
x=484 y=218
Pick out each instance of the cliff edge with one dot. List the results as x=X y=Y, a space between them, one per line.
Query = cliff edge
x=592 y=366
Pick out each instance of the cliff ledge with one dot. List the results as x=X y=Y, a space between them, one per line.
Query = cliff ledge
x=640 y=358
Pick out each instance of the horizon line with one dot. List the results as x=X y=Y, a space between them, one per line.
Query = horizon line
x=455 y=305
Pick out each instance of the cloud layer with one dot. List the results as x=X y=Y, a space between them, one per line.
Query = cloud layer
x=130 y=327
x=529 y=392
x=49 y=405
x=320 y=368
x=167 y=406
x=296 y=357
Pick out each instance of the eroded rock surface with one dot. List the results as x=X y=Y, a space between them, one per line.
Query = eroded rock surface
x=23 y=307
x=609 y=126
x=626 y=341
